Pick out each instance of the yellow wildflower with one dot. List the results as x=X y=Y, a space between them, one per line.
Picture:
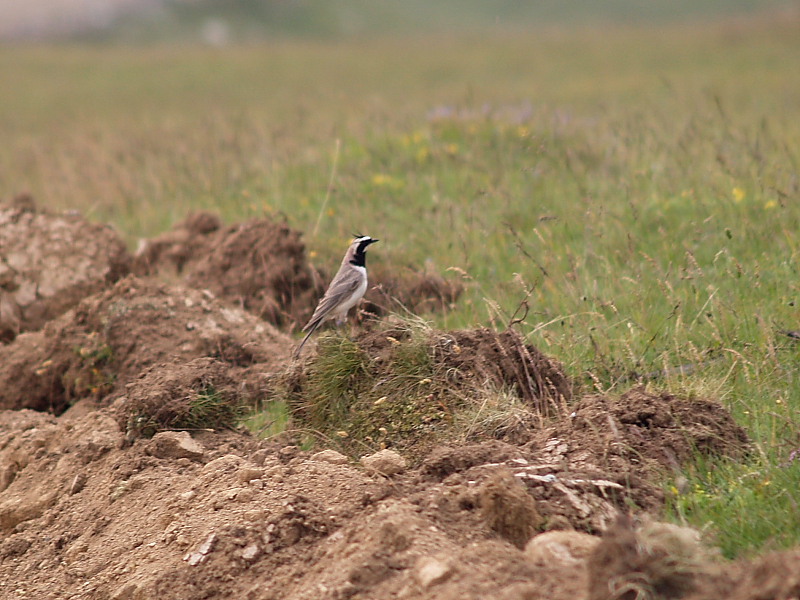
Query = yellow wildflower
x=738 y=194
x=384 y=180
x=770 y=204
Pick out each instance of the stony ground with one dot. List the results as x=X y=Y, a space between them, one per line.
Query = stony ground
x=107 y=491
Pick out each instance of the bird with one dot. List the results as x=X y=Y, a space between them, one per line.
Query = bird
x=345 y=290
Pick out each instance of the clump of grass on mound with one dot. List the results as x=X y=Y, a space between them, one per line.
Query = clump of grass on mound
x=199 y=394
x=206 y=408
x=408 y=386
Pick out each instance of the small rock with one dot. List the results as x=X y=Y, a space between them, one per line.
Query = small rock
x=430 y=571
x=78 y=483
x=385 y=462
x=208 y=544
x=246 y=474
x=251 y=552
x=241 y=494
x=228 y=463
x=14 y=546
x=194 y=558
x=174 y=444
x=288 y=452
x=203 y=550
x=330 y=456
x=225 y=497
x=259 y=457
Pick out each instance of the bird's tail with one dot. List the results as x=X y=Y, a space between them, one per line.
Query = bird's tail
x=305 y=339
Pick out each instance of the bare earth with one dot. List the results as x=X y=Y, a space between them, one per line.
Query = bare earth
x=92 y=505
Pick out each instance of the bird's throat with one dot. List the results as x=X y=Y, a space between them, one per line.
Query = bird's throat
x=359 y=259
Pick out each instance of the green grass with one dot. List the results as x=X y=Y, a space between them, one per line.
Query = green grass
x=269 y=419
x=743 y=508
x=635 y=188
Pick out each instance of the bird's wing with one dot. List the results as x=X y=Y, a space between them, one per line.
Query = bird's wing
x=336 y=294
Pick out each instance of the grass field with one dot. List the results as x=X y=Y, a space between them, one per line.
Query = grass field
x=631 y=194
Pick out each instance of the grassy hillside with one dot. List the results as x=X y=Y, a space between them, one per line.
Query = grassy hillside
x=630 y=193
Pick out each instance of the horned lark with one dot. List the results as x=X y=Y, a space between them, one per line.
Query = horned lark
x=346 y=289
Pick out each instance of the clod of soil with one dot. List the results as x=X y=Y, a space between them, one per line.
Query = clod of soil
x=259 y=265
x=509 y=509
x=49 y=262
x=112 y=338
x=507 y=361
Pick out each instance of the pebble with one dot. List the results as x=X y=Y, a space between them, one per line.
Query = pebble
x=251 y=552
x=330 y=456
x=247 y=474
x=199 y=555
x=385 y=462
x=175 y=444
x=430 y=571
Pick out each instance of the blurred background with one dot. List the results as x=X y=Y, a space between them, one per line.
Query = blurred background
x=228 y=21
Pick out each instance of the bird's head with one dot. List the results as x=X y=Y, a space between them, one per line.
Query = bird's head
x=357 y=252
x=360 y=243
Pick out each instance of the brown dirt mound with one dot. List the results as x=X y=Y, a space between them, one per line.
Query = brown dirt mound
x=85 y=514
x=239 y=520
x=651 y=432
x=111 y=338
x=198 y=394
x=49 y=262
x=585 y=466
x=474 y=357
x=91 y=509
x=411 y=387
x=406 y=289
x=259 y=265
x=505 y=358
